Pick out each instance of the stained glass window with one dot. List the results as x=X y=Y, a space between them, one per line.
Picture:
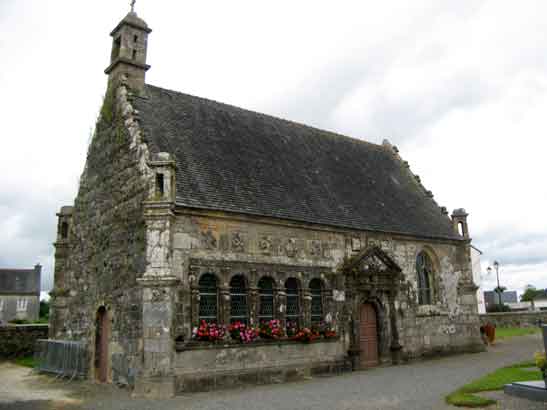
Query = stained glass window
x=316 y=300
x=208 y=298
x=424 y=269
x=238 y=300
x=266 y=295
x=293 y=301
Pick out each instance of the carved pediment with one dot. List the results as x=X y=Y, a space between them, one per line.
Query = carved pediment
x=371 y=268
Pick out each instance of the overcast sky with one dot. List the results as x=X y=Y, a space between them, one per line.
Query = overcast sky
x=460 y=87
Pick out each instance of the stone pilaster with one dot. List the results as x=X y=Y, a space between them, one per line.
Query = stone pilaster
x=159 y=300
x=253 y=306
x=280 y=304
x=159 y=289
x=224 y=304
x=60 y=286
x=306 y=308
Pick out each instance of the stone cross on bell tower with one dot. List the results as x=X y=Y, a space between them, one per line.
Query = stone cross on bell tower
x=129 y=46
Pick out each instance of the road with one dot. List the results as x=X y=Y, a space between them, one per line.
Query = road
x=419 y=386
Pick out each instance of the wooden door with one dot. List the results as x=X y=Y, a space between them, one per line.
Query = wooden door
x=368 y=336
x=101 y=345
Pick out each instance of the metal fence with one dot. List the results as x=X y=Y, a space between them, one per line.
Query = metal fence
x=62 y=357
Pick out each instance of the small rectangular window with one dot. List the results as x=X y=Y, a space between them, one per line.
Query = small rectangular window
x=134 y=54
x=135 y=38
x=159 y=185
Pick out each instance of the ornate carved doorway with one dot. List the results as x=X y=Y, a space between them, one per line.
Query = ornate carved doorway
x=101 y=345
x=368 y=336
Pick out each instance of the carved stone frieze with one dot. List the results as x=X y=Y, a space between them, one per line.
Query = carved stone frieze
x=265 y=245
x=238 y=242
x=315 y=248
x=208 y=240
x=291 y=248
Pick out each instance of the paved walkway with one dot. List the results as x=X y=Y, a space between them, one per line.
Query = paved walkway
x=420 y=386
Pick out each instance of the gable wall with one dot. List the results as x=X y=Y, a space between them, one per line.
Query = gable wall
x=105 y=248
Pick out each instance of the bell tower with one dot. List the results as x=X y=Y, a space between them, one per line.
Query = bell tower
x=129 y=46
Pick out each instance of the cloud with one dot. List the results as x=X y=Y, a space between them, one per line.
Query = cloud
x=460 y=87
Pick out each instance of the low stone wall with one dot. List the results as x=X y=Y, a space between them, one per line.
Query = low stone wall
x=20 y=340
x=514 y=319
x=220 y=367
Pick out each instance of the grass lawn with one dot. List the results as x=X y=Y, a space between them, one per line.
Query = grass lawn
x=27 y=361
x=519 y=372
x=506 y=332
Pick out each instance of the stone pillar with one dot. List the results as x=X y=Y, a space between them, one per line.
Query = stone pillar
x=395 y=345
x=280 y=304
x=224 y=305
x=159 y=286
x=60 y=289
x=159 y=300
x=253 y=306
x=306 y=308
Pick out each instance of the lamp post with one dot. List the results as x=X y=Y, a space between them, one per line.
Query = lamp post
x=498 y=289
x=496 y=266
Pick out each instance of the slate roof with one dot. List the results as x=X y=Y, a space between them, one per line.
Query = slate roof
x=20 y=281
x=236 y=160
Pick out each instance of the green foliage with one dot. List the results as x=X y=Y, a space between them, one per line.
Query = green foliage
x=468 y=400
x=540 y=360
x=44 y=309
x=19 y=322
x=27 y=361
x=107 y=109
x=498 y=308
x=464 y=397
x=531 y=293
x=507 y=332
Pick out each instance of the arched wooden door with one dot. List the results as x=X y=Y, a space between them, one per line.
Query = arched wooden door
x=101 y=345
x=368 y=337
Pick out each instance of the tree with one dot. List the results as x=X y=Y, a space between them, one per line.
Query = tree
x=530 y=293
x=44 y=309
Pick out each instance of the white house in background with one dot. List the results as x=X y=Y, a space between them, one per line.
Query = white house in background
x=476 y=268
x=540 y=301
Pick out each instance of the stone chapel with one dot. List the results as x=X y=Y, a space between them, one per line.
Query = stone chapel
x=193 y=215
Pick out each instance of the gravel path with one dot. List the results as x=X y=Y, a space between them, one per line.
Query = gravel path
x=420 y=386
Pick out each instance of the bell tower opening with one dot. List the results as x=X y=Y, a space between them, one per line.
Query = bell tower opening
x=129 y=49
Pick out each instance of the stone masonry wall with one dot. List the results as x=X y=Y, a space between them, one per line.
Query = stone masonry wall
x=20 y=340
x=105 y=250
x=448 y=325
x=514 y=319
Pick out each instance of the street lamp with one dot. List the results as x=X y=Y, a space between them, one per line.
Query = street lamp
x=499 y=289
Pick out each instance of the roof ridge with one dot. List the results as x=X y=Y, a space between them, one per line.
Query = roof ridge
x=300 y=124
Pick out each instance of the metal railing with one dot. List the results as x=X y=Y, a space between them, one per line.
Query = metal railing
x=62 y=357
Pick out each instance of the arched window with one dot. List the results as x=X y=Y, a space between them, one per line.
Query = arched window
x=424 y=270
x=293 y=301
x=316 y=288
x=238 y=300
x=266 y=298
x=208 y=298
